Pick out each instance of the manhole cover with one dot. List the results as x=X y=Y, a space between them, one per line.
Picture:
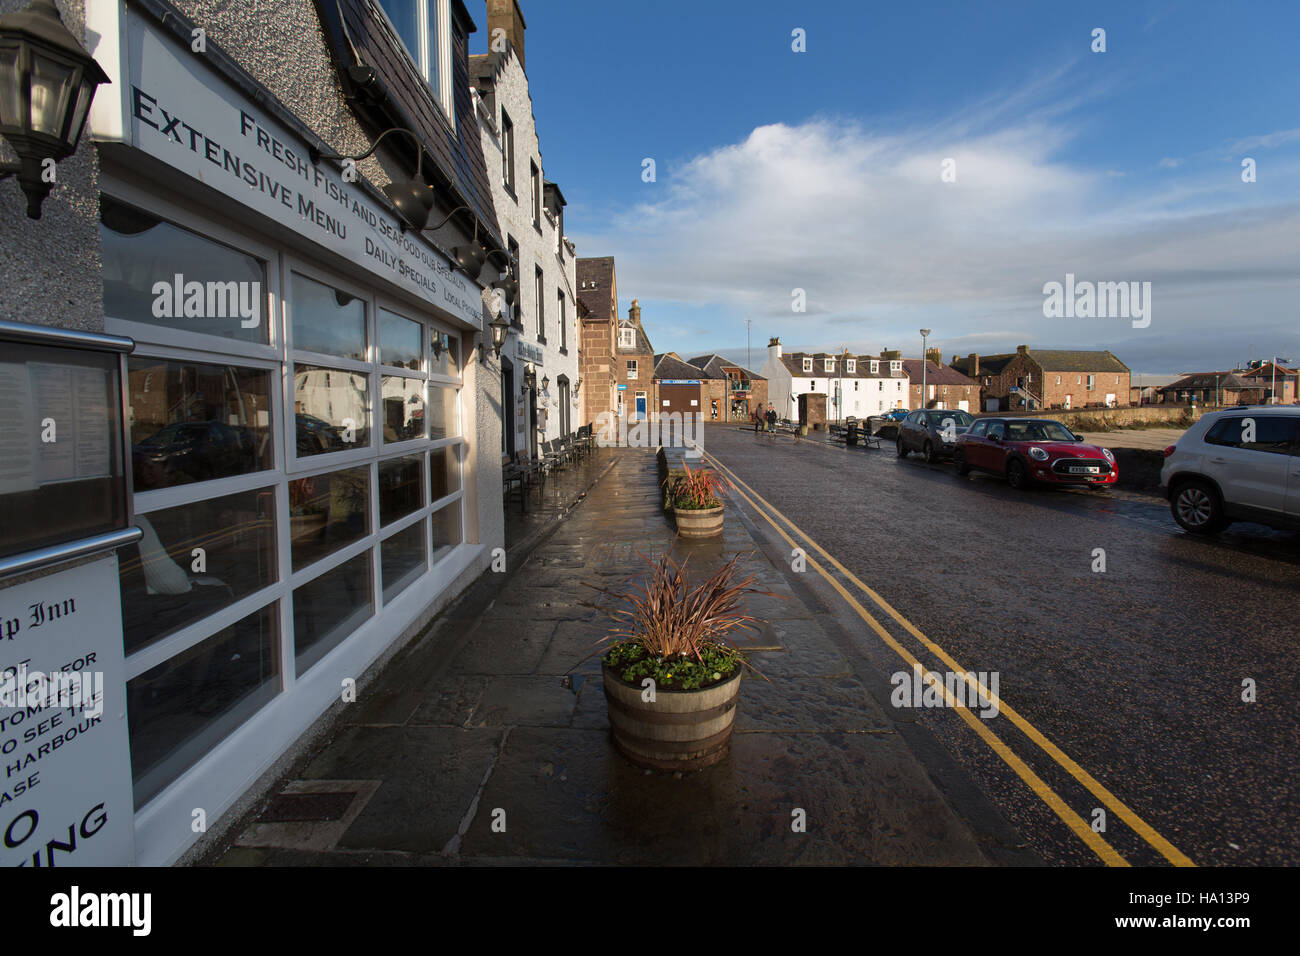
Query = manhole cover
x=296 y=807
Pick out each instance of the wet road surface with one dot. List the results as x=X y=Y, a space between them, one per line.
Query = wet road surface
x=1135 y=672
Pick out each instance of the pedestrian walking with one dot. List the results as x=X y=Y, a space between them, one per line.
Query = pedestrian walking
x=771 y=419
x=757 y=418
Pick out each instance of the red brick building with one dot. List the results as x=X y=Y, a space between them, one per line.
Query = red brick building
x=946 y=387
x=1037 y=379
x=617 y=360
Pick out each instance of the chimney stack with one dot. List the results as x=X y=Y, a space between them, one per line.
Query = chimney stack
x=634 y=313
x=973 y=363
x=505 y=15
x=932 y=355
x=774 y=343
x=1022 y=349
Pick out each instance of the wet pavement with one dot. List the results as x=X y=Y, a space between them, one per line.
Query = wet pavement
x=1136 y=672
x=486 y=741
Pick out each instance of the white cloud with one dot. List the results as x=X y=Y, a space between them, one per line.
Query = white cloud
x=861 y=220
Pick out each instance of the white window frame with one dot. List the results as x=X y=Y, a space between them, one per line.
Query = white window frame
x=632 y=369
x=196 y=341
x=420 y=59
x=851 y=366
x=629 y=333
x=828 y=365
x=807 y=365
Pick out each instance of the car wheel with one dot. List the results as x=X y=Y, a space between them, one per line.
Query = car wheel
x=1017 y=474
x=959 y=458
x=928 y=453
x=902 y=449
x=1196 y=508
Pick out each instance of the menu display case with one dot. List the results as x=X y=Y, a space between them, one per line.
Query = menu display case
x=63 y=488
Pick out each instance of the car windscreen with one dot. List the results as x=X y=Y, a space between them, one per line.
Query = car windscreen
x=1038 y=431
x=941 y=418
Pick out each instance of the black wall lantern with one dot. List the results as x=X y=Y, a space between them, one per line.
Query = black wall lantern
x=499 y=328
x=546 y=383
x=530 y=378
x=47 y=81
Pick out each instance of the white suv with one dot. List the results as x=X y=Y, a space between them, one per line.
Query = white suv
x=1238 y=464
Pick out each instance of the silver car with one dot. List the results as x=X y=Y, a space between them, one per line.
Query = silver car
x=1237 y=464
x=933 y=432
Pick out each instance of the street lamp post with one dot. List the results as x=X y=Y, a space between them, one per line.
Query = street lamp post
x=925 y=334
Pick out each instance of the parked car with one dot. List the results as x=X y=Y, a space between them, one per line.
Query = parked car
x=1029 y=450
x=1237 y=464
x=193 y=451
x=932 y=432
x=895 y=415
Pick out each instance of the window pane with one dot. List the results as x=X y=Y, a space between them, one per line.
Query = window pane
x=166 y=585
x=327 y=320
x=328 y=609
x=405 y=15
x=399 y=341
x=403 y=408
x=221 y=291
x=327 y=512
x=442 y=413
x=444 y=354
x=195 y=422
x=435 y=50
x=401 y=487
x=402 y=559
x=444 y=472
x=182 y=708
x=332 y=408
x=446 y=529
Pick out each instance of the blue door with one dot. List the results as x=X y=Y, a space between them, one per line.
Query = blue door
x=640 y=406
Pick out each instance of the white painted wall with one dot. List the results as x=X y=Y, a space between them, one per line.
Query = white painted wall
x=544 y=250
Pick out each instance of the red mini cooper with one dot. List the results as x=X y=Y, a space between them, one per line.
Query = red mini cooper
x=1028 y=450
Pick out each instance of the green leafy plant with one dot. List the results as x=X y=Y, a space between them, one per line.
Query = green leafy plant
x=697 y=490
x=676 y=633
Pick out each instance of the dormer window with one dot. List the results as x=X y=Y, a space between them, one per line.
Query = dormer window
x=875 y=367
x=829 y=365
x=807 y=365
x=851 y=366
x=895 y=366
x=627 y=337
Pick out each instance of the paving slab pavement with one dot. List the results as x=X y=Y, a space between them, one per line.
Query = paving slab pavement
x=486 y=741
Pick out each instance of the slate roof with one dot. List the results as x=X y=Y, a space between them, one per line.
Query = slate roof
x=396 y=95
x=1061 y=360
x=936 y=374
x=669 y=366
x=712 y=366
x=989 y=364
x=642 y=341
x=1202 y=380
x=598 y=301
x=793 y=361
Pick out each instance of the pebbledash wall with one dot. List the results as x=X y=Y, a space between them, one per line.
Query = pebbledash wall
x=544 y=329
x=359 y=486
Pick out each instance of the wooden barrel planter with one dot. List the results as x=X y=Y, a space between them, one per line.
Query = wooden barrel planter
x=698 y=522
x=681 y=730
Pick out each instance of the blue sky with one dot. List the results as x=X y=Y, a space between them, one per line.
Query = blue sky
x=821 y=170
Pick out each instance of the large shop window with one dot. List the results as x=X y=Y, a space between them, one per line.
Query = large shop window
x=290 y=480
x=182 y=708
x=193 y=421
x=160 y=274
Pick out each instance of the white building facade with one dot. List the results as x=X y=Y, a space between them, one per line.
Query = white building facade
x=855 y=386
x=540 y=358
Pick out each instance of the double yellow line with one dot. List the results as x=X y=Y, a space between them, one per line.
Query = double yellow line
x=1077 y=824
